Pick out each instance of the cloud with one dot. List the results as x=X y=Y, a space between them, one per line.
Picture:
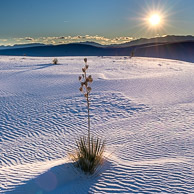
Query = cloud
x=96 y=38
x=3 y=40
x=29 y=38
x=70 y=39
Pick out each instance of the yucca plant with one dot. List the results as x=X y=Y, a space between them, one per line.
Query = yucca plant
x=132 y=54
x=89 y=153
x=55 y=61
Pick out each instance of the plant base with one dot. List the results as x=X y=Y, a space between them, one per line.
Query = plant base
x=89 y=154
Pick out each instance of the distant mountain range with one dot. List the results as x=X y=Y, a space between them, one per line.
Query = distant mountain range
x=21 y=46
x=165 y=39
x=171 y=47
x=178 y=50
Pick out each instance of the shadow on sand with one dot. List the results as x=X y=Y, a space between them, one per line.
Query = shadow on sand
x=42 y=66
x=64 y=178
x=37 y=67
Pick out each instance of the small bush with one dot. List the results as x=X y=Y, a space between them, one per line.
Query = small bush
x=55 y=61
x=132 y=54
x=89 y=156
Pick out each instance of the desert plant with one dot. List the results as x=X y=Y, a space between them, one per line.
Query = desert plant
x=89 y=158
x=55 y=61
x=132 y=54
x=88 y=155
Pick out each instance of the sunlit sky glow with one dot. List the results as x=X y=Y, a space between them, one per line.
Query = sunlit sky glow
x=105 y=22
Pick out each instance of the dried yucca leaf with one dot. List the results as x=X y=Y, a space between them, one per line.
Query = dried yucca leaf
x=89 y=89
x=81 y=89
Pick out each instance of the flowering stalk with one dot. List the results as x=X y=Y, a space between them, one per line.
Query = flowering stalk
x=86 y=89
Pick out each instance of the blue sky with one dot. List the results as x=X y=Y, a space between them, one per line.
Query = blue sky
x=104 y=21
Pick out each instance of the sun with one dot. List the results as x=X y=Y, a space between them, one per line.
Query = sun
x=154 y=19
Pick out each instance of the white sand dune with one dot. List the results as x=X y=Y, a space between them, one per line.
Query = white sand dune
x=142 y=107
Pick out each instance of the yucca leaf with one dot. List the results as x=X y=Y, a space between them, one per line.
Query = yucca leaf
x=89 y=154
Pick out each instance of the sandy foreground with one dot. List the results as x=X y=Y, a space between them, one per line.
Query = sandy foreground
x=142 y=107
